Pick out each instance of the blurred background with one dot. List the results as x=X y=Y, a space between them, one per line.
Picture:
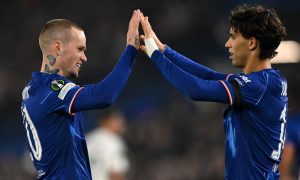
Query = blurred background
x=169 y=137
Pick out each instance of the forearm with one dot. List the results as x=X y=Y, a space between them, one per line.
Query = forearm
x=190 y=85
x=105 y=92
x=192 y=67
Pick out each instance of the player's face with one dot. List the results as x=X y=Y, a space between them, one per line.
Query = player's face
x=238 y=48
x=72 y=55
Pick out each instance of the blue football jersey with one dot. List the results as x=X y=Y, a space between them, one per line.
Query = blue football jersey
x=55 y=136
x=255 y=125
x=254 y=122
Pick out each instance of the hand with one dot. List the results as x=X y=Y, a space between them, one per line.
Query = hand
x=149 y=33
x=133 y=30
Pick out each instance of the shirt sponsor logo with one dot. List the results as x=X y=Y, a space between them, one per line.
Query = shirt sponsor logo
x=244 y=78
x=240 y=83
x=65 y=90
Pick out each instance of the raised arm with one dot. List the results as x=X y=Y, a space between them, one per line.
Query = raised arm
x=190 y=85
x=183 y=62
x=191 y=66
x=105 y=92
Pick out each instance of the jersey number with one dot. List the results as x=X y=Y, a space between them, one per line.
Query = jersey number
x=276 y=153
x=32 y=134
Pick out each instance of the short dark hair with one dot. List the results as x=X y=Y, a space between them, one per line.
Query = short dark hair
x=261 y=23
x=56 y=28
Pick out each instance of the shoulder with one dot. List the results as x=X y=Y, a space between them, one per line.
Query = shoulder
x=258 y=80
x=254 y=86
x=56 y=83
x=251 y=81
x=48 y=82
x=53 y=86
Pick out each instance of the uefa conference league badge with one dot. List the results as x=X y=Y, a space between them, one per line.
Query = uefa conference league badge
x=57 y=85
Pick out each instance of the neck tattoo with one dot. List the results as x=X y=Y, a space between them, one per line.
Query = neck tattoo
x=48 y=70
x=52 y=61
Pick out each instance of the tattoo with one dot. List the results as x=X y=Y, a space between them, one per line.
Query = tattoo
x=137 y=41
x=53 y=71
x=51 y=59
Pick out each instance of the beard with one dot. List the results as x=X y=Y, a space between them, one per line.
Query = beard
x=74 y=75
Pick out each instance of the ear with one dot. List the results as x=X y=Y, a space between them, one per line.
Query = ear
x=57 y=47
x=253 y=43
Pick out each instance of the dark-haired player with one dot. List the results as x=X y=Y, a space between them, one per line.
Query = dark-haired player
x=255 y=120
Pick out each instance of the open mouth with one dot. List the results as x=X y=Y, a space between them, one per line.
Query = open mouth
x=79 y=65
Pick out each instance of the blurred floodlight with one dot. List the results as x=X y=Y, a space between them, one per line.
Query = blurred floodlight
x=288 y=52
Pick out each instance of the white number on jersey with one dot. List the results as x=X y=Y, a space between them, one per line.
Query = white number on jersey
x=276 y=153
x=284 y=89
x=30 y=128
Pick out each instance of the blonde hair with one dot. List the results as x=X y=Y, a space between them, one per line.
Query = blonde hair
x=56 y=29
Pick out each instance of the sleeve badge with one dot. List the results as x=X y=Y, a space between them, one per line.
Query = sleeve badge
x=57 y=85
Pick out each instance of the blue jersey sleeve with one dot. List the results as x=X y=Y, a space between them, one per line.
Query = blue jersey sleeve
x=251 y=88
x=191 y=85
x=59 y=95
x=192 y=67
x=105 y=92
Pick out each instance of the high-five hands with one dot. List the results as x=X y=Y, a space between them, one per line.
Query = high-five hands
x=133 y=30
x=152 y=43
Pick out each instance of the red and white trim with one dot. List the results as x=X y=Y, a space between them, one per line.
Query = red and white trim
x=71 y=104
x=228 y=92
x=227 y=77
